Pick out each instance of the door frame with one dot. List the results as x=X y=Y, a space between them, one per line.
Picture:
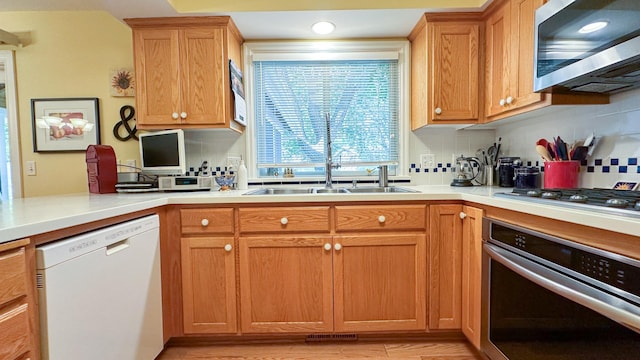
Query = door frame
x=7 y=57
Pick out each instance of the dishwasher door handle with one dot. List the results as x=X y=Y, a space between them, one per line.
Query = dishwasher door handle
x=117 y=247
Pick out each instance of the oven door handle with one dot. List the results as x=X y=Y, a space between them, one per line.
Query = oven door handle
x=604 y=303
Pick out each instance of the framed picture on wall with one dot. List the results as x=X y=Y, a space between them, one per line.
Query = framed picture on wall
x=66 y=124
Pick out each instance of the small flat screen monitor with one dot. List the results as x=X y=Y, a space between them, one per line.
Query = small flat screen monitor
x=163 y=152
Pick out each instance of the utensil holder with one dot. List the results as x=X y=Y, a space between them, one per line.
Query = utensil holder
x=561 y=174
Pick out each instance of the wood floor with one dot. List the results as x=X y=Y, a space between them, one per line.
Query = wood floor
x=440 y=350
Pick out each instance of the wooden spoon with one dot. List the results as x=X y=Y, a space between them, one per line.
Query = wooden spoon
x=542 y=150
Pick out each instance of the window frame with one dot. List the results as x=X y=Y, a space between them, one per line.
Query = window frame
x=329 y=50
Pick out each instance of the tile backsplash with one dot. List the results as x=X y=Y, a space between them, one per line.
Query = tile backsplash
x=615 y=156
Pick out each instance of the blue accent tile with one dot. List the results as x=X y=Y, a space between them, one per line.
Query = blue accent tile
x=591 y=169
x=439 y=165
x=413 y=166
x=638 y=170
x=632 y=161
x=605 y=169
x=444 y=169
x=425 y=170
x=436 y=169
x=191 y=169
x=622 y=169
x=448 y=165
x=528 y=163
x=217 y=168
x=614 y=161
x=598 y=162
x=417 y=170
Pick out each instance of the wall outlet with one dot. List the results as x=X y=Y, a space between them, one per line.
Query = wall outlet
x=30 y=168
x=427 y=161
x=233 y=161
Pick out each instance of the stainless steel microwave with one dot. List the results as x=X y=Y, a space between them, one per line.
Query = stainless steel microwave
x=587 y=46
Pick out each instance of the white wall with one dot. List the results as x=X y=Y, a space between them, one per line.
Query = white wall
x=616 y=126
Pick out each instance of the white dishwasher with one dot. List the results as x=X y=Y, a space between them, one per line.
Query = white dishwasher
x=99 y=294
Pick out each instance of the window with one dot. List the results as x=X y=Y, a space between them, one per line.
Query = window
x=356 y=89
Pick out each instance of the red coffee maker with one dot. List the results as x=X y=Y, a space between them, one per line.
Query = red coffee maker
x=101 y=169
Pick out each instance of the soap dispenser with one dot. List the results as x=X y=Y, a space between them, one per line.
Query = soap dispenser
x=242 y=181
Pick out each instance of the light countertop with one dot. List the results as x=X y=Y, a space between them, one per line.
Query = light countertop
x=21 y=218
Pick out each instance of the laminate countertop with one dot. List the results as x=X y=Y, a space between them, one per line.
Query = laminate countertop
x=24 y=217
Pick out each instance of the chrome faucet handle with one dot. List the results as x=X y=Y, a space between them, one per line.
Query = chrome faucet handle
x=383 y=176
x=354 y=183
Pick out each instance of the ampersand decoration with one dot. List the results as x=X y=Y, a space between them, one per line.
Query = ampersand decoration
x=127 y=113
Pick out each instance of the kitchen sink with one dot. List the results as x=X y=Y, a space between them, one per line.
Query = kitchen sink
x=300 y=191
x=387 y=189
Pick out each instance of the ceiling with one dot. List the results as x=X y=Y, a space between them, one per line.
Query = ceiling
x=274 y=19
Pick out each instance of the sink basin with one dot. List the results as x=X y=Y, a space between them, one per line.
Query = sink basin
x=388 y=189
x=281 y=191
x=359 y=190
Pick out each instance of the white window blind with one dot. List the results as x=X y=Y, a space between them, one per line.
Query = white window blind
x=293 y=98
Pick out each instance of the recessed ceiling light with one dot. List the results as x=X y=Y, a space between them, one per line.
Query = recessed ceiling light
x=594 y=26
x=323 y=27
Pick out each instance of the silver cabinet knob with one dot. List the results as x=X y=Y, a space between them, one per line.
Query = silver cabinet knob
x=462 y=215
x=509 y=100
x=175 y=116
x=337 y=247
x=183 y=115
x=381 y=219
x=228 y=247
x=502 y=102
x=438 y=111
x=284 y=221
x=327 y=246
x=204 y=222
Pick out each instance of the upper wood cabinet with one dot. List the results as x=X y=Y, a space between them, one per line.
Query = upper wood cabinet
x=182 y=71
x=446 y=77
x=509 y=64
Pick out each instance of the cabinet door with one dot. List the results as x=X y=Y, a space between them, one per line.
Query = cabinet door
x=208 y=285
x=380 y=282
x=522 y=30
x=286 y=284
x=498 y=52
x=202 y=69
x=445 y=256
x=157 y=76
x=471 y=273
x=454 y=72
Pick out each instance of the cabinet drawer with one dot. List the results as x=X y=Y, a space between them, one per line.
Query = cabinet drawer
x=381 y=217
x=284 y=219
x=14 y=330
x=207 y=221
x=12 y=275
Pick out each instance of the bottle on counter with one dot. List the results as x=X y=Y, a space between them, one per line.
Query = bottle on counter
x=242 y=181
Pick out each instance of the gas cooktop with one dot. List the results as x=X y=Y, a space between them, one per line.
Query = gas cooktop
x=607 y=201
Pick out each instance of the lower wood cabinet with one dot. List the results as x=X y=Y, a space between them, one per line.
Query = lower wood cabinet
x=208 y=263
x=379 y=282
x=208 y=285
x=455 y=269
x=304 y=269
x=471 y=273
x=17 y=310
x=286 y=284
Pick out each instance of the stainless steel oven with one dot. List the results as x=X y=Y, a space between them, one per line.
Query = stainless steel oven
x=544 y=297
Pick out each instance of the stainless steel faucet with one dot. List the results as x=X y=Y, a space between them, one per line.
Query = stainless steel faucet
x=329 y=165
